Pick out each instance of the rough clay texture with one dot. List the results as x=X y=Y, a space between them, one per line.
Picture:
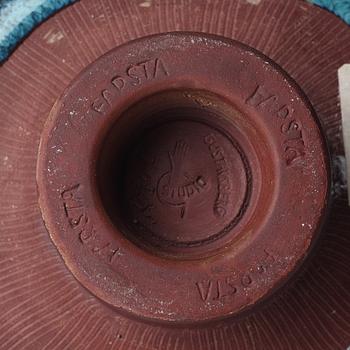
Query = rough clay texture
x=203 y=186
x=42 y=305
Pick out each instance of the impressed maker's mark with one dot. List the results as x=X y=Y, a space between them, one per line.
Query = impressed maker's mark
x=290 y=126
x=133 y=76
x=81 y=224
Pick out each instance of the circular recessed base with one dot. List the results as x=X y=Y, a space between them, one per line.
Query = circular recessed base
x=181 y=181
x=161 y=166
x=193 y=184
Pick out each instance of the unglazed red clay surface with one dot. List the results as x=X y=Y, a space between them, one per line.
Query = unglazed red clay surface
x=200 y=171
x=165 y=195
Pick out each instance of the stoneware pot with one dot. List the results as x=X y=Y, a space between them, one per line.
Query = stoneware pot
x=167 y=179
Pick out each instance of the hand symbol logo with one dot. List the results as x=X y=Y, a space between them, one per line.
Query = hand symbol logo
x=176 y=186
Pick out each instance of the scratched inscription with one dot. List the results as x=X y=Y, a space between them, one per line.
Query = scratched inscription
x=133 y=76
x=290 y=127
x=226 y=287
x=176 y=186
x=223 y=176
x=192 y=176
x=81 y=224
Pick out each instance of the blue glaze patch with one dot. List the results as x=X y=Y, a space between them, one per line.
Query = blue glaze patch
x=339 y=7
x=19 y=17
